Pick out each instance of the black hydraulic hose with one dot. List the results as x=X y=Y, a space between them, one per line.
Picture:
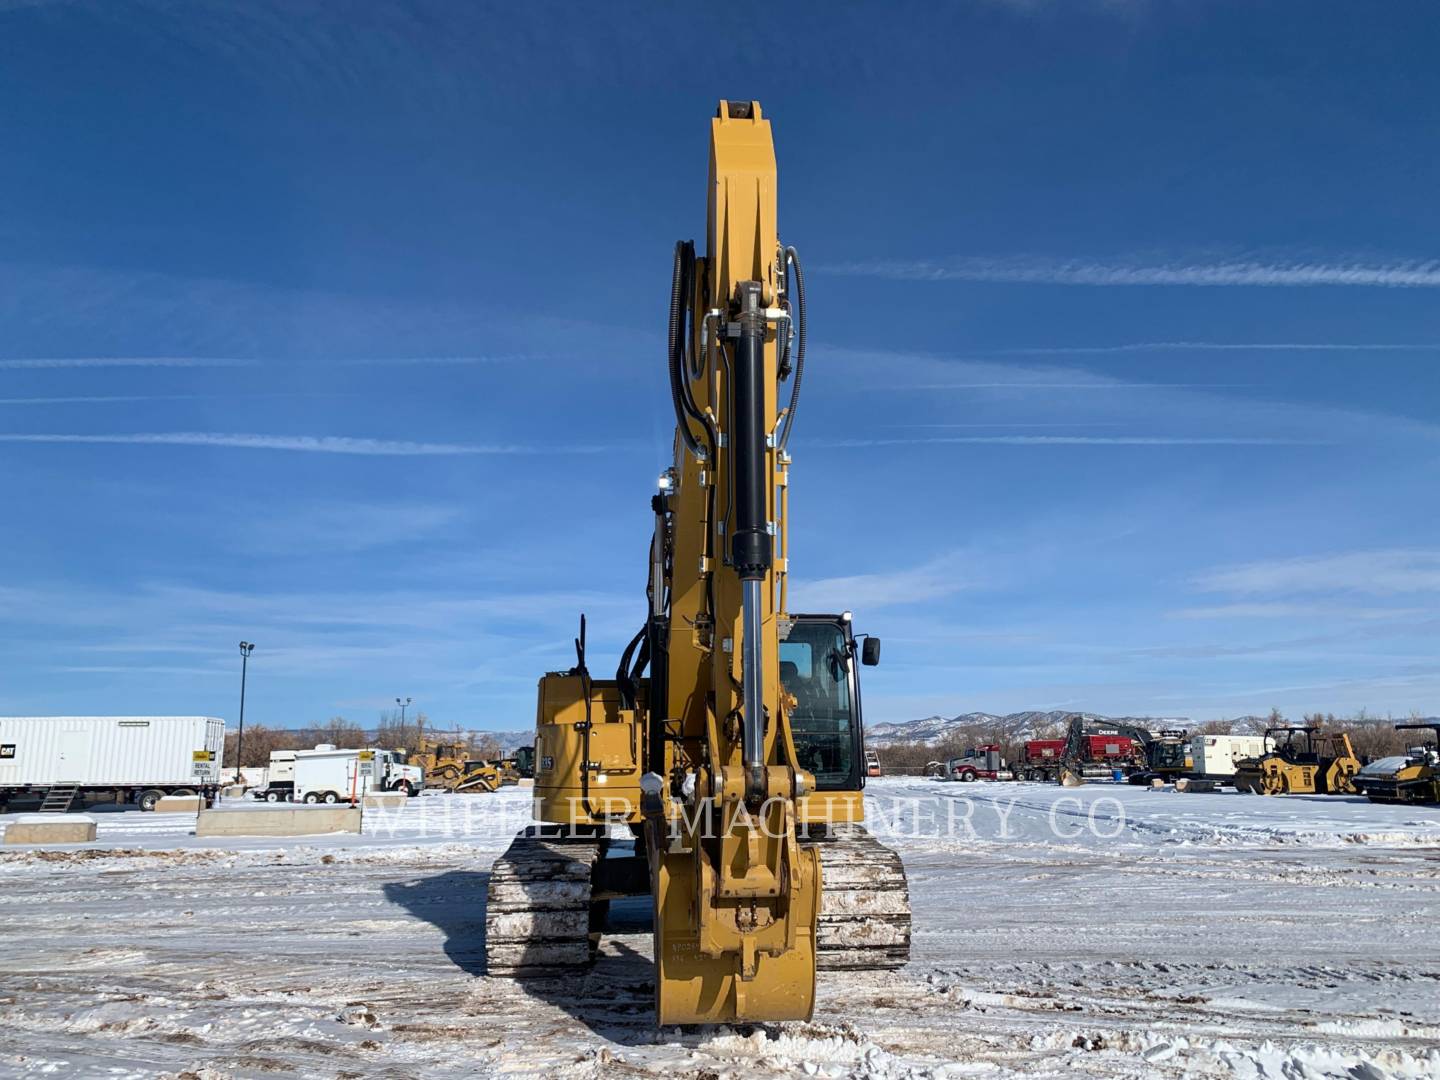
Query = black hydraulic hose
x=792 y=258
x=583 y=671
x=682 y=285
x=622 y=673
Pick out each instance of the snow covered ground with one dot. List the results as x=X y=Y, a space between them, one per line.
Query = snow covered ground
x=1100 y=931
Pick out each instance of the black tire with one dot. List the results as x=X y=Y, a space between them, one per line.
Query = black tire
x=968 y=776
x=183 y=793
x=148 y=798
x=330 y=798
x=312 y=798
x=272 y=796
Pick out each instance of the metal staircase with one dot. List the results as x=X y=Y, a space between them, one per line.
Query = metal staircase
x=59 y=798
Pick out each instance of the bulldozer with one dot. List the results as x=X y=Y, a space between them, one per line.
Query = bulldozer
x=720 y=771
x=1412 y=777
x=448 y=769
x=1303 y=761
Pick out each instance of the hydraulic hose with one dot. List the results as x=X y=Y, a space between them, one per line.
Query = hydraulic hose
x=792 y=258
x=583 y=671
x=682 y=285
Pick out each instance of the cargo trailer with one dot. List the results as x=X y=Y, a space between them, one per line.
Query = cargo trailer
x=65 y=760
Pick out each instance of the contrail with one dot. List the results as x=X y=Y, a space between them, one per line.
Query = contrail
x=1217 y=346
x=316 y=444
x=102 y=398
x=126 y=361
x=1066 y=440
x=1097 y=384
x=1403 y=275
x=442 y=361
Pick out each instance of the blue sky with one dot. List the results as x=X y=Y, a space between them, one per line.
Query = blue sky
x=339 y=328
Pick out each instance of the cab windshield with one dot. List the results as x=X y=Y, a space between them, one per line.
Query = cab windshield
x=815 y=669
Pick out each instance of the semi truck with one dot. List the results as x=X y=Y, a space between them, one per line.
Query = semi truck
x=979 y=763
x=64 y=761
x=330 y=775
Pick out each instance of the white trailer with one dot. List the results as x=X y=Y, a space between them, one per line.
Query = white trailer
x=136 y=759
x=328 y=775
x=1214 y=756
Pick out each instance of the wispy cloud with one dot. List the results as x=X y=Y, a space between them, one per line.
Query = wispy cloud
x=125 y=361
x=1087 y=385
x=1379 y=573
x=1064 y=440
x=1046 y=271
x=316 y=444
x=1061 y=392
x=1218 y=346
x=95 y=399
x=1289 y=610
x=938 y=577
x=105 y=399
x=335 y=527
x=443 y=361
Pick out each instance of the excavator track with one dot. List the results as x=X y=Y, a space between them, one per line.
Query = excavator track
x=540 y=914
x=538 y=919
x=864 y=904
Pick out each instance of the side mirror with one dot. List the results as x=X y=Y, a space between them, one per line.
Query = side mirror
x=870 y=652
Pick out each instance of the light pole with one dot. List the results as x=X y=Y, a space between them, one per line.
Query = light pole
x=245 y=650
x=418 y=726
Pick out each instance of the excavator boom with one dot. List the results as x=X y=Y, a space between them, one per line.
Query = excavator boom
x=729 y=742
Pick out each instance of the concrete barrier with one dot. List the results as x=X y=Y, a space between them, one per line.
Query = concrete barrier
x=390 y=800
x=176 y=804
x=300 y=821
x=51 y=829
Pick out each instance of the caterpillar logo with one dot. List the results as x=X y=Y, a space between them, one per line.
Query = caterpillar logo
x=7 y=750
x=202 y=755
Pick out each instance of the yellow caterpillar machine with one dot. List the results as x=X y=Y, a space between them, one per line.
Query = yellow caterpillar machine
x=1411 y=777
x=725 y=783
x=1304 y=761
x=446 y=767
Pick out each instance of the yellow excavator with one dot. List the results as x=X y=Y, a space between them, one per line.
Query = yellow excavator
x=721 y=770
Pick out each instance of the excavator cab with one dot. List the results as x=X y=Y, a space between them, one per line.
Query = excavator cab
x=818 y=666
